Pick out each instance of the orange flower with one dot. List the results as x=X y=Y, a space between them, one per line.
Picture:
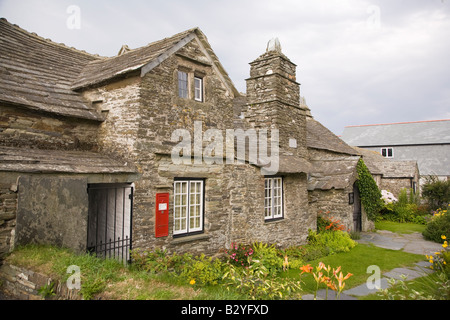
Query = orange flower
x=306 y=268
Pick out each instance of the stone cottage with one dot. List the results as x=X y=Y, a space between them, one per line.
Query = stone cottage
x=155 y=147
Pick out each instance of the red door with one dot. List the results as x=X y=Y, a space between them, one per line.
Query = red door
x=162 y=215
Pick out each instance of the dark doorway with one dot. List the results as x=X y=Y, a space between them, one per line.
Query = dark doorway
x=109 y=220
x=357 y=223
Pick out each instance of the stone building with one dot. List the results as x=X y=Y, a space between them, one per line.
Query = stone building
x=155 y=147
x=391 y=175
x=425 y=142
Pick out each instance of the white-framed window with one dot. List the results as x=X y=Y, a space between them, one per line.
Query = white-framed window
x=273 y=198
x=198 y=89
x=182 y=84
x=188 y=206
x=387 y=152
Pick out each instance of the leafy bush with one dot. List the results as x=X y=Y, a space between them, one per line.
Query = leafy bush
x=268 y=256
x=369 y=192
x=436 y=192
x=203 y=270
x=240 y=255
x=404 y=209
x=438 y=226
x=327 y=223
x=258 y=284
x=336 y=241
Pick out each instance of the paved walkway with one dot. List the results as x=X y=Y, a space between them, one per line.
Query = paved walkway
x=413 y=243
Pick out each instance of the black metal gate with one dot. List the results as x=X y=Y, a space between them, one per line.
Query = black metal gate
x=110 y=220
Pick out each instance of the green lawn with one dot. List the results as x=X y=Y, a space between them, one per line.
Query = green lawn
x=356 y=262
x=398 y=227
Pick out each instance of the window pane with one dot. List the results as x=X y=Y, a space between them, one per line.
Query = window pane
x=198 y=85
x=182 y=84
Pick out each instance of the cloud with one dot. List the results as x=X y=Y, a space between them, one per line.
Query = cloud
x=359 y=61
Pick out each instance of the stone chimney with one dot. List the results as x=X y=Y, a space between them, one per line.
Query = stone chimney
x=273 y=99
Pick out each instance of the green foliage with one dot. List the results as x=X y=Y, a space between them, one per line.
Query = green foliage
x=240 y=255
x=436 y=192
x=47 y=290
x=257 y=283
x=268 y=256
x=328 y=223
x=438 y=226
x=369 y=192
x=405 y=209
x=336 y=241
x=205 y=271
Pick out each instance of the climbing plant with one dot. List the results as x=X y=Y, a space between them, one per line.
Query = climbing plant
x=369 y=191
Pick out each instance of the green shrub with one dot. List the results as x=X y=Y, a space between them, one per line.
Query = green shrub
x=240 y=255
x=205 y=271
x=369 y=191
x=258 y=283
x=336 y=241
x=438 y=226
x=268 y=256
x=436 y=192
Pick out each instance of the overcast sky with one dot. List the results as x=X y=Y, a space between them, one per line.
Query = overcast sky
x=358 y=61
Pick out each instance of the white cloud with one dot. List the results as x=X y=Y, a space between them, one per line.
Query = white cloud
x=359 y=61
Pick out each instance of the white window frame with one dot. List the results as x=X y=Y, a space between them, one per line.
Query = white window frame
x=387 y=149
x=183 y=84
x=198 y=88
x=273 y=198
x=188 y=208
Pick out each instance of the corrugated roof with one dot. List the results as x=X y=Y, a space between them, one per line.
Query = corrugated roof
x=403 y=133
x=37 y=73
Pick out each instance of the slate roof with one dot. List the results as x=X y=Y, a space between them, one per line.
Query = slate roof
x=145 y=59
x=37 y=73
x=43 y=75
x=332 y=173
x=398 y=169
x=396 y=134
x=52 y=161
x=103 y=69
x=319 y=137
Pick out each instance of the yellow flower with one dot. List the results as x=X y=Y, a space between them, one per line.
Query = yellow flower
x=192 y=282
x=443 y=237
x=445 y=245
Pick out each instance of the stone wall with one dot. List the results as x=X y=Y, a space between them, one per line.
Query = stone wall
x=24 y=284
x=8 y=211
x=20 y=127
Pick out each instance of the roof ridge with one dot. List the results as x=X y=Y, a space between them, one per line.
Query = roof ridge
x=35 y=35
x=406 y=122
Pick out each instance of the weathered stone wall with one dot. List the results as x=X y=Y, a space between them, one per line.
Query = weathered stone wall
x=332 y=203
x=273 y=98
x=20 y=127
x=395 y=185
x=52 y=210
x=119 y=103
x=8 y=211
x=24 y=284
x=161 y=113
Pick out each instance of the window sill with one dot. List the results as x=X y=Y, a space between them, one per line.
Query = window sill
x=186 y=239
x=275 y=220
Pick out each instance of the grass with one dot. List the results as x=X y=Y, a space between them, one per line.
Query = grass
x=109 y=279
x=356 y=262
x=397 y=227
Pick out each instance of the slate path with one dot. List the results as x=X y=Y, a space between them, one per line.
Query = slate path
x=412 y=243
